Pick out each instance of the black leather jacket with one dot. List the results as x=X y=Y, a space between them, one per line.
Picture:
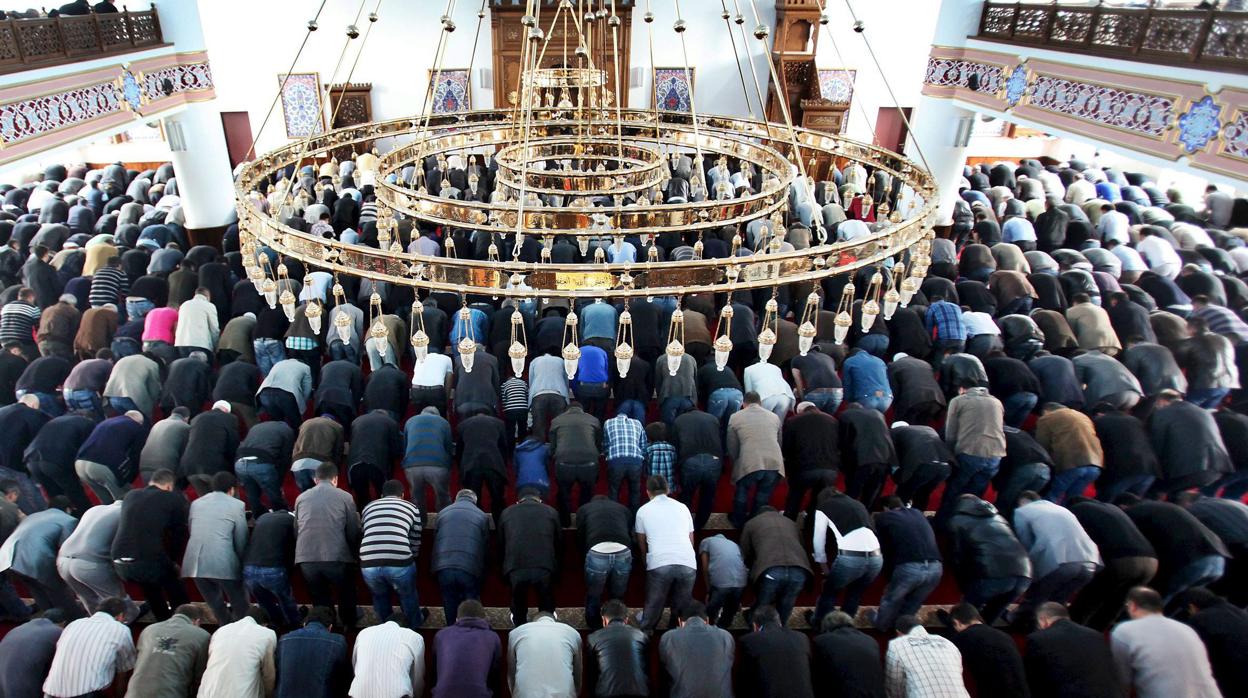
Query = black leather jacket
x=619 y=660
x=984 y=547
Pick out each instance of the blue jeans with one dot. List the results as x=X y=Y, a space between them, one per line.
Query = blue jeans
x=382 y=581
x=633 y=408
x=1071 y=483
x=260 y=479
x=879 y=403
x=723 y=403
x=874 y=344
x=909 y=586
x=1208 y=398
x=672 y=407
x=853 y=573
x=992 y=594
x=1018 y=406
x=669 y=585
x=340 y=351
x=1197 y=573
x=827 y=400
x=779 y=586
x=1135 y=484
x=1232 y=485
x=304 y=479
x=271 y=588
x=606 y=574
x=971 y=477
x=138 y=308
x=88 y=400
x=456 y=586
x=48 y=402
x=268 y=353
x=122 y=405
x=620 y=470
x=763 y=482
x=699 y=475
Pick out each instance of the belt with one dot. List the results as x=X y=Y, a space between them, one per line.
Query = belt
x=860 y=553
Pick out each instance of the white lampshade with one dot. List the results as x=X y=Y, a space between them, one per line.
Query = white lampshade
x=870 y=311
x=623 y=358
x=314 y=321
x=891 y=299
x=766 y=342
x=805 y=338
x=287 y=299
x=840 y=326
x=467 y=353
x=582 y=244
x=342 y=325
x=517 y=353
x=909 y=286
x=571 y=359
x=382 y=346
x=675 y=352
x=420 y=345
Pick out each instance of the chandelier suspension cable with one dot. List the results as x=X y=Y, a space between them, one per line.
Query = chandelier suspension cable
x=784 y=105
x=892 y=95
x=284 y=199
x=312 y=26
x=614 y=22
x=739 y=20
x=438 y=55
x=698 y=172
x=476 y=39
x=727 y=16
x=654 y=91
x=862 y=109
x=528 y=60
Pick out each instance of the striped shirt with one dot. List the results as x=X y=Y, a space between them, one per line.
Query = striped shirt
x=89 y=654
x=515 y=394
x=17 y=322
x=1219 y=319
x=108 y=285
x=389 y=662
x=391 y=533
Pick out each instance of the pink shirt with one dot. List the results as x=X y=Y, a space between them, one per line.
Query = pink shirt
x=159 y=325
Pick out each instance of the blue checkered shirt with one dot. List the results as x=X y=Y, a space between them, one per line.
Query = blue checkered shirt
x=624 y=437
x=661 y=460
x=944 y=321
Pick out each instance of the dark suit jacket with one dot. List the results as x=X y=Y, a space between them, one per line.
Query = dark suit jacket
x=1070 y=661
x=847 y=665
x=992 y=660
x=1224 y=629
x=774 y=662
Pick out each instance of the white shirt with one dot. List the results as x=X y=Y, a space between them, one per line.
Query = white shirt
x=432 y=372
x=1131 y=259
x=667 y=525
x=766 y=379
x=979 y=323
x=1114 y=226
x=389 y=662
x=1079 y=191
x=544 y=657
x=1158 y=251
x=852 y=230
x=1162 y=658
x=240 y=662
x=861 y=540
x=197 y=324
x=90 y=652
x=919 y=665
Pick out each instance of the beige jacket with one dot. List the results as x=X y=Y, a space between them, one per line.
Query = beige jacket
x=754 y=442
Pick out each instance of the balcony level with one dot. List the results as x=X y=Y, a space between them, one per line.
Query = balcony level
x=1177 y=34
x=44 y=42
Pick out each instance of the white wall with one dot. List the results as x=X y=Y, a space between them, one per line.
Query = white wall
x=250 y=42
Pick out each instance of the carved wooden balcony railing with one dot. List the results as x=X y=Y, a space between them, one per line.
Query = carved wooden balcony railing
x=1204 y=39
x=44 y=42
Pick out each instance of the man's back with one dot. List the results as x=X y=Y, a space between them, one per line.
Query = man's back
x=461 y=535
x=1161 y=658
x=469 y=654
x=25 y=655
x=240 y=662
x=620 y=660
x=145 y=511
x=775 y=661
x=919 y=665
x=89 y=655
x=698 y=658
x=389 y=660
x=544 y=657
x=312 y=662
x=172 y=655
x=327 y=524
x=1067 y=660
x=847 y=665
x=993 y=662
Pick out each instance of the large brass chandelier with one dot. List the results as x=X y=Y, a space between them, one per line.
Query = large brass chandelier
x=574 y=164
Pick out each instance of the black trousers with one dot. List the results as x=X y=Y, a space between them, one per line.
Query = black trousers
x=366 y=481
x=568 y=475
x=917 y=489
x=1100 y=602
x=812 y=481
x=864 y=482
x=480 y=479
x=429 y=396
x=524 y=581
x=329 y=579
x=162 y=589
x=60 y=479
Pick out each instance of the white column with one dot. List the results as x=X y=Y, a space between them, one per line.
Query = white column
x=202 y=165
x=938 y=126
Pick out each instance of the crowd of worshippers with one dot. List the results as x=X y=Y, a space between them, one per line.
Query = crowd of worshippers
x=75 y=8
x=133 y=374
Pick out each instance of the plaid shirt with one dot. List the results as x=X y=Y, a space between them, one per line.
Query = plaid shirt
x=623 y=437
x=920 y=665
x=661 y=460
x=301 y=343
x=944 y=321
